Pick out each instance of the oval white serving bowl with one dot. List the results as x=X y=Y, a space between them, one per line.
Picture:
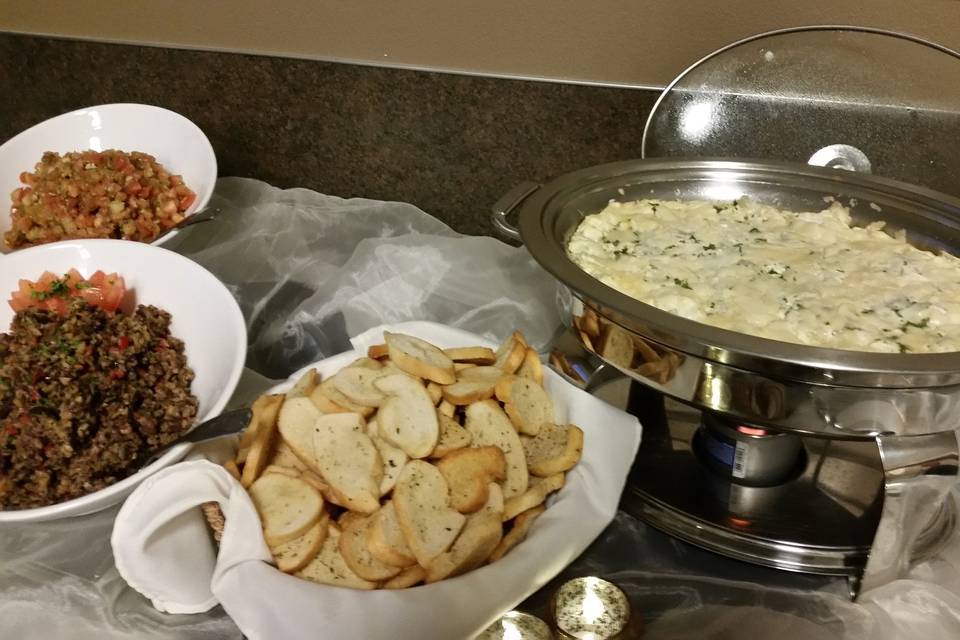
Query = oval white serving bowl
x=176 y=142
x=204 y=315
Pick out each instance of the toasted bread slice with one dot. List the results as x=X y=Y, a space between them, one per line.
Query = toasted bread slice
x=365 y=363
x=472 y=385
x=304 y=385
x=469 y=472
x=283 y=456
x=357 y=385
x=348 y=460
x=510 y=355
x=329 y=567
x=313 y=479
x=554 y=450
x=489 y=425
x=452 y=437
x=435 y=392
x=421 y=499
x=393 y=458
x=264 y=412
x=385 y=538
x=299 y=552
x=231 y=468
x=288 y=507
x=617 y=346
x=590 y=323
x=526 y=403
x=539 y=489
x=260 y=409
x=286 y=471
x=420 y=358
x=347 y=518
x=549 y=484
x=295 y=423
x=261 y=448
x=446 y=408
x=518 y=533
x=409 y=577
x=408 y=419
x=480 y=536
x=531 y=368
x=329 y=399
x=378 y=352
x=472 y=355
x=353 y=548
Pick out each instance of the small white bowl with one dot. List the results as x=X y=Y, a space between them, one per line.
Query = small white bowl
x=204 y=315
x=176 y=142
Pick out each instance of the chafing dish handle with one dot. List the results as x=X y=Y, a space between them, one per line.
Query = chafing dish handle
x=917 y=457
x=505 y=205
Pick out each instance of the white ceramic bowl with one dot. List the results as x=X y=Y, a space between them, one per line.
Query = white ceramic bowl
x=178 y=144
x=204 y=315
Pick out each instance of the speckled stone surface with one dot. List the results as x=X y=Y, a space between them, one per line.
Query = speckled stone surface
x=450 y=144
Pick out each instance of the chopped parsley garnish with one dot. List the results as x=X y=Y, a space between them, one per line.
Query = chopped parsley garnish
x=59 y=287
x=682 y=283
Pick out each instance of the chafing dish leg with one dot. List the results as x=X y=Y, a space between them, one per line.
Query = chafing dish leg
x=919 y=473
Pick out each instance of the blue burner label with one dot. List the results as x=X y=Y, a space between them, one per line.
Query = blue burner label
x=720 y=451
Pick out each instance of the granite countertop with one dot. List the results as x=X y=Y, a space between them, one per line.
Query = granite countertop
x=452 y=145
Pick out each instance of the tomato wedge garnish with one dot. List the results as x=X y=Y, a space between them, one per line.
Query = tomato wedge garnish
x=54 y=293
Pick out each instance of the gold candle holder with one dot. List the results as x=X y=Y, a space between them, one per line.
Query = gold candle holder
x=590 y=608
x=516 y=625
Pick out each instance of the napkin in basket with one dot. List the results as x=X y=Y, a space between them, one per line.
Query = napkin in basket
x=163 y=548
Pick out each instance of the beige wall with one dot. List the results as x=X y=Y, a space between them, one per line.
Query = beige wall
x=617 y=42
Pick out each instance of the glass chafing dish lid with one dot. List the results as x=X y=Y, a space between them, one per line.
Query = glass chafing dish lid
x=845 y=97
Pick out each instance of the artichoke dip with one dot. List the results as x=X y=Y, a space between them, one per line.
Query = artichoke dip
x=809 y=278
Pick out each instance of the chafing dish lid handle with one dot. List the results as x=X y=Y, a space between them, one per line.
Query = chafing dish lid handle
x=506 y=204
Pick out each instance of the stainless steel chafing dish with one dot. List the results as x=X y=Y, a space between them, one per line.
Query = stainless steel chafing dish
x=909 y=404
x=826 y=392
x=794 y=457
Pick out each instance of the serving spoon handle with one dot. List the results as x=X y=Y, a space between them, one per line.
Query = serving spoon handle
x=204 y=215
x=225 y=424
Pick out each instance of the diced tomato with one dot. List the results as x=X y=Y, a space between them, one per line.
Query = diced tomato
x=54 y=293
x=113 y=297
x=116 y=374
x=19 y=302
x=56 y=305
x=73 y=278
x=123 y=343
x=11 y=430
x=186 y=201
x=92 y=295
